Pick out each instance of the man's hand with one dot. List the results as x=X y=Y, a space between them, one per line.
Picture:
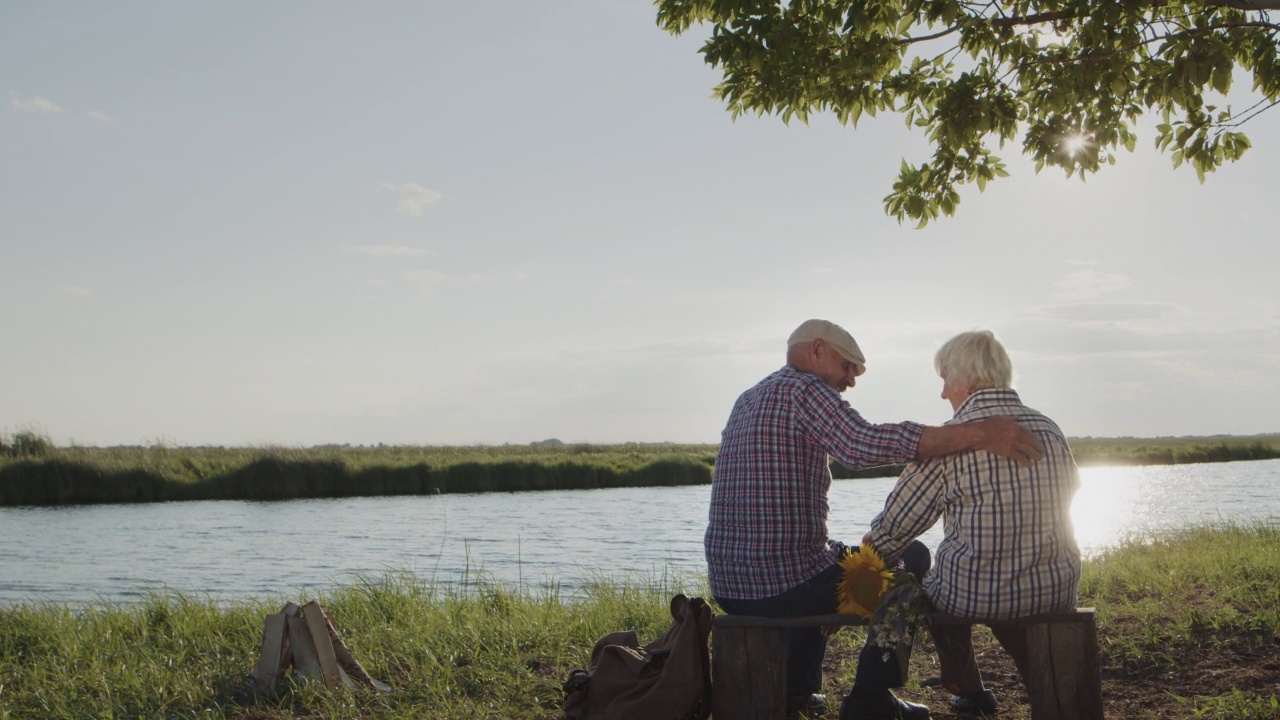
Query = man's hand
x=998 y=435
x=1005 y=437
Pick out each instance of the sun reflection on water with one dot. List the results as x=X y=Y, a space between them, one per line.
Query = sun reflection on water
x=1118 y=503
x=1103 y=509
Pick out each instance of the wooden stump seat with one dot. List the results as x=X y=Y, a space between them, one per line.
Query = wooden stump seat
x=749 y=656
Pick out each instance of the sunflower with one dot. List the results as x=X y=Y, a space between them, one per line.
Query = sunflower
x=865 y=579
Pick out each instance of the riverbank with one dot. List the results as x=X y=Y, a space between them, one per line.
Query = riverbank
x=35 y=472
x=1189 y=626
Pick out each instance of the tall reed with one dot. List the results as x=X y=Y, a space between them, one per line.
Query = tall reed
x=134 y=474
x=35 y=472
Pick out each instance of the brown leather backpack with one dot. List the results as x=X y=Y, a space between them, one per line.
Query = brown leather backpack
x=668 y=679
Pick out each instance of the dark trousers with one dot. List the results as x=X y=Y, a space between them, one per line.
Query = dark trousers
x=959 y=667
x=806 y=647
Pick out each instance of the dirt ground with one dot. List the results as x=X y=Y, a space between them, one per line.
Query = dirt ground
x=1132 y=690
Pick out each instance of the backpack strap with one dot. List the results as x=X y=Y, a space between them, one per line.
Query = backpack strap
x=577 y=680
x=700 y=612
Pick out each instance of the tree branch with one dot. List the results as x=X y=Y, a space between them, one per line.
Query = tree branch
x=1121 y=51
x=923 y=38
x=1249 y=114
x=1259 y=5
x=1001 y=22
x=1014 y=21
x=1034 y=19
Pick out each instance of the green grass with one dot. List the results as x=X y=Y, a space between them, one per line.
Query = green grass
x=1174 y=450
x=489 y=652
x=1235 y=706
x=485 y=652
x=35 y=472
x=1159 y=598
x=1168 y=599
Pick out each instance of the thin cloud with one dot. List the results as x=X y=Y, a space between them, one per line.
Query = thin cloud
x=391 y=250
x=1086 y=284
x=413 y=197
x=74 y=290
x=427 y=280
x=430 y=277
x=1093 y=312
x=36 y=105
x=1168 y=334
x=99 y=116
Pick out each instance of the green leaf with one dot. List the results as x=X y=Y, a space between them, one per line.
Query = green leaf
x=1222 y=78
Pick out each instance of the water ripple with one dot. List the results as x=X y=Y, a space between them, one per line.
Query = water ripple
x=242 y=550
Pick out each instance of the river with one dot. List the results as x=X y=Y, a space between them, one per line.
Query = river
x=240 y=550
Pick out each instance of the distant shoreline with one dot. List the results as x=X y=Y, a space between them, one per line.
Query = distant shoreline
x=35 y=472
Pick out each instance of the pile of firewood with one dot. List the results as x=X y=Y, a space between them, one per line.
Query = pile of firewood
x=304 y=638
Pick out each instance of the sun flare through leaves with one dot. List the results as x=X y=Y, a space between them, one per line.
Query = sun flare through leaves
x=1076 y=144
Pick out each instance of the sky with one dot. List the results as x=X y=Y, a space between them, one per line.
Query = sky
x=442 y=223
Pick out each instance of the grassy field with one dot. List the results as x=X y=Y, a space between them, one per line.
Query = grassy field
x=35 y=472
x=63 y=475
x=1174 y=450
x=1175 y=612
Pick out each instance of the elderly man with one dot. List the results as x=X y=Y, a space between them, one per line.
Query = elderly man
x=766 y=542
x=1009 y=549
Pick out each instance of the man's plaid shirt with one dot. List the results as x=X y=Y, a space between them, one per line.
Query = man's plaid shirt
x=1008 y=549
x=767 y=529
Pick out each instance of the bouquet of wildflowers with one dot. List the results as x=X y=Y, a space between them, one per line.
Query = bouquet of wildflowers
x=890 y=600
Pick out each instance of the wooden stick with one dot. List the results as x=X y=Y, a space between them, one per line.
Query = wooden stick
x=275 y=652
x=303 y=649
x=317 y=625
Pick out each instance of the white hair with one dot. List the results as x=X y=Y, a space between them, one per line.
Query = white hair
x=975 y=358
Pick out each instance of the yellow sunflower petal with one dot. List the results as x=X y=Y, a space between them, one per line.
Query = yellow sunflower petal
x=864 y=580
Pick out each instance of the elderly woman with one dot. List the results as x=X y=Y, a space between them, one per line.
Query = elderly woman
x=1008 y=549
